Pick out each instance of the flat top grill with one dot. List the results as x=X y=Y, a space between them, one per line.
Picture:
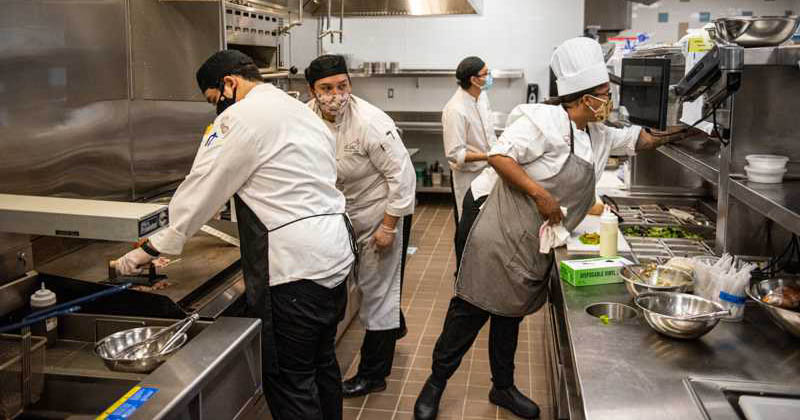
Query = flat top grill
x=203 y=261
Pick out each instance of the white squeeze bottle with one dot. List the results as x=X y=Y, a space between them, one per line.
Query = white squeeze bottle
x=42 y=299
x=609 y=228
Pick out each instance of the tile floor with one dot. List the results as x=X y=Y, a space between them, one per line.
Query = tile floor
x=427 y=290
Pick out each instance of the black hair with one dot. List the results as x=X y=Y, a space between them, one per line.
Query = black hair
x=226 y=63
x=467 y=68
x=569 y=99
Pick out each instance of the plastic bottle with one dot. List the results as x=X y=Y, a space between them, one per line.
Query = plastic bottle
x=609 y=228
x=42 y=299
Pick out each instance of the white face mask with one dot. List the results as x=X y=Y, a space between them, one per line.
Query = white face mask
x=333 y=103
x=604 y=111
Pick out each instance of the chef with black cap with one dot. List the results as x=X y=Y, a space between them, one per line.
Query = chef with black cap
x=378 y=181
x=468 y=130
x=277 y=159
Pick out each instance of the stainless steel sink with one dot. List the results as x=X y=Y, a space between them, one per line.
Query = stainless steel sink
x=67 y=396
x=718 y=399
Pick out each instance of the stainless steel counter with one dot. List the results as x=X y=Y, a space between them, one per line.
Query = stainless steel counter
x=627 y=371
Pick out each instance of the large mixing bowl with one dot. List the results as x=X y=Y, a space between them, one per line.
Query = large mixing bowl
x=112 y=345
x=787 y=319
x=755 y=31
x=636 y=287
x=664 y=311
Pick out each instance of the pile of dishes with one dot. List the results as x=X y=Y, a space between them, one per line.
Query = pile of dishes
x=766 y=169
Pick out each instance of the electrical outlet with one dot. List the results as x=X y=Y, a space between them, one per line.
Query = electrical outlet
x=390 y=93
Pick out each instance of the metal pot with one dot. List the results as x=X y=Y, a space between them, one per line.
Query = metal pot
x=394 y=67
x=379 y=67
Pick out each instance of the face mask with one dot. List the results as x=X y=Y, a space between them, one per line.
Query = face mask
x=488 y=83
x=223 y=103
x=333 y=103
x=601 y=114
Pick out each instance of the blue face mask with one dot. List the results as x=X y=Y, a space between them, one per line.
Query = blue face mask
x=488 y=83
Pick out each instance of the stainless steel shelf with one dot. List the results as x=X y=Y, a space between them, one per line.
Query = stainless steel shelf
x=498 y=74
x=779 y=202
x=435 y=190
x=702 y=161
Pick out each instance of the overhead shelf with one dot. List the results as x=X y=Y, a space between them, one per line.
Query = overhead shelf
x=496 y=74
x=779 y=202
x=704 y=162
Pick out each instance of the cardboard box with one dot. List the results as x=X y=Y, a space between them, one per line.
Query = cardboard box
x=591 y=271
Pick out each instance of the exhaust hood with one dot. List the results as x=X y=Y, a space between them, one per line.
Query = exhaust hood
x=398 y=7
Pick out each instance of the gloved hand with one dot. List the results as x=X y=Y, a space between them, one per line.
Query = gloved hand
x=384 y=237
x=133 y=263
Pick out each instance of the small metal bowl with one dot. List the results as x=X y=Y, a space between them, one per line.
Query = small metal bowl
x=635 y=286
x=756 y=31
x=787 y=319
x=110 y=346
x=664 y=311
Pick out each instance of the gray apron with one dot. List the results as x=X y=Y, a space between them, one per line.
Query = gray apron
x=502 y=271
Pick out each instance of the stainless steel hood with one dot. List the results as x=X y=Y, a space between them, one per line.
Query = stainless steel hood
x=398 y=7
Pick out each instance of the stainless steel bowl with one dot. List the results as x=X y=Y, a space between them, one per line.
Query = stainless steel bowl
x=756 y=31
x=110 y=346
x=636 y=287
x=787 y=319
x=663 y=312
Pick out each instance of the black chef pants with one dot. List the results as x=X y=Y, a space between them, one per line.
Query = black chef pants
x=309 y=385
x=461 y=326
x=469 y=210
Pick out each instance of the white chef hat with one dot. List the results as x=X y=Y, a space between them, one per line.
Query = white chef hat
x=578 y=64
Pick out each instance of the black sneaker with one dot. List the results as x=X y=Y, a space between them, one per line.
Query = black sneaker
x=511 y=399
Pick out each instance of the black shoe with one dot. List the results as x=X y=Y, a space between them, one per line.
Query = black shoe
x=358 y=386
x=511 y=399
x=427 y=405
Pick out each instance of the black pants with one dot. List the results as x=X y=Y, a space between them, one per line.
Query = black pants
x=308 y=385
x=469 y=210
x=377 y=350
x=461 y=326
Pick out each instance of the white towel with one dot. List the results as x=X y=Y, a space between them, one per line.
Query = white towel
x=552 y=236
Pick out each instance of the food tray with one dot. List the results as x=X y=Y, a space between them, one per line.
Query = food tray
x=11 y=373
x=654 y=214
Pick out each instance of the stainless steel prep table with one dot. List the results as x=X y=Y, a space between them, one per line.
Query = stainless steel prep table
x=628 y=371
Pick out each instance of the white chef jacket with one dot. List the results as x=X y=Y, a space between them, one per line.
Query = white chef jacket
x=372 y=163
x=537 y=137
x=278 y=156
x=468 y=127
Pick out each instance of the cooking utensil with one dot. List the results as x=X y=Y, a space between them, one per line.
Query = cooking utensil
x=109 y=347
x=176 y=335
x=379 y=67
x=148 y=279
x=394 y=67
x=157 y=342
x=667 y=312
x=636 y=284
x=755 y=31
x=710 y=315
x=787 y=319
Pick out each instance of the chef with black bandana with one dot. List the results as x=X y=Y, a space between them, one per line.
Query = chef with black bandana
x=276 y=157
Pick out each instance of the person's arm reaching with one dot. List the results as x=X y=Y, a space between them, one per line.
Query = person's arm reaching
x=223 y=164
x=455 y=140
x=651 y=139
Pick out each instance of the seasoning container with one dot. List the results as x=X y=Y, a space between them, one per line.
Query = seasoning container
x=43 y=299
x=436 y=175
x=609 y=228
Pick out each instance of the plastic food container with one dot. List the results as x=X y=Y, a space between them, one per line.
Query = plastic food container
x=765 y=176
x=767 y=162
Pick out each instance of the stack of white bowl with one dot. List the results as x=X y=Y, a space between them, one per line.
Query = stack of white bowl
x=766 y=169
